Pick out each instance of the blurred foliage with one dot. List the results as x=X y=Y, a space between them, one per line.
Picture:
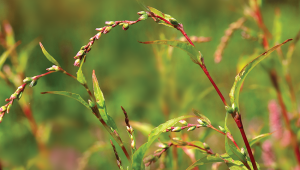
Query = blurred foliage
x=153 y=83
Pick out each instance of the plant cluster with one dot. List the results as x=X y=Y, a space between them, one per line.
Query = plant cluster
x=234 y=156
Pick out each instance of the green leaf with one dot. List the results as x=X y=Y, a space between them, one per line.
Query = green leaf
x=137 y=158
x=239 y=79
x=233 y=164
x=195 y=55
x=233 y=152
x=101 y=103
x=258 y=138
x=25 y=53
x=4 y=56
x=206 y=159
x=201 y=116
x=142 y=127
x=157 y=12
x=277 y=27
x=167 y=17
x=48 y=56
x=80 y=76
x=71 y=95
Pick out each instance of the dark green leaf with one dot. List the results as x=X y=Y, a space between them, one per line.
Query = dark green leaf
x=239 y=79
x=48 y=56
x=137 y=158
x=195 y=55
x=201 y=116
x=71 y=95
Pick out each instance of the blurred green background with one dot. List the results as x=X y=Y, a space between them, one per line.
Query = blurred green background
x=129 y=75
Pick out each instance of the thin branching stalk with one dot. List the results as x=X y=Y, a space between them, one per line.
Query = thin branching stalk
x=119 y=162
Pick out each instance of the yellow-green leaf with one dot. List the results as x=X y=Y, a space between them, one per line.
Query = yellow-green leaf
x=239 y=79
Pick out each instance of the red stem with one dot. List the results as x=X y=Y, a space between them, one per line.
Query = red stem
x=213 y=83
x=238 y=121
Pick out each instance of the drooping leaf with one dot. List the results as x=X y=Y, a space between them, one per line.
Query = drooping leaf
x=137 y=158
x=80 y=76
x=206 y=159
x=71 y=95
x=48 y=56
x=239 y=79
x=195 y=55
x=201 y=116
x=258 y=138
x=4 y=56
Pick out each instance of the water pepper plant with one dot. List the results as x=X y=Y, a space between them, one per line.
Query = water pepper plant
x=234 y=156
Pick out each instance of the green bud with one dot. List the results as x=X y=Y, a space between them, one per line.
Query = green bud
x=8 y=108
x=243 y=152
x=27 y=80
x=125 y=26
x=91 y=103
x=141 y=13
x=99 y=29
x=202 y=123
x=173 y=21
x=206 y=146
x=192 y=128
x=229 y=109
x=222 y=129
x=176 y=139
x=143 y=17
x=53 y=68
x=107 y=29
x=158 y=150
x=20 y=95
x=33 y=83
x=163 y=146
x=183 y=122
x=109 y=22
x=2 y=109
x=176 y=129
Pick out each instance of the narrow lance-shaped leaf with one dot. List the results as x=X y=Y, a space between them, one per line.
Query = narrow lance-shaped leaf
x=258 y=138
x=80 y=76
x=101 y=103
x=137 y=158
x=239 y=79
x=71 y=95
x=234 y=153
x=48 y=56
x=195 y=55
x=4 y=56
x=167 y=17
x=201 y=116
x=206 y=159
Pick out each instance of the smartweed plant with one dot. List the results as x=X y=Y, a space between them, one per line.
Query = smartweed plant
x=234 y=156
